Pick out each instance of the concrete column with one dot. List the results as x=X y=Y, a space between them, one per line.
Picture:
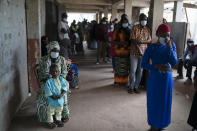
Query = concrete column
x=43 y=17
x=114 y=11
x=155 y=15
x=97 y=17
x=33 y=37
x=61 y=9
x=177 y=14
x=106 y=12
x=128 y=8
x=100 y=16
x=135 y=14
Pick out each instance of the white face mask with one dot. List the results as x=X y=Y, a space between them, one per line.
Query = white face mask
x=190 y=44
x=143 y=22
x=54 y=55
x=112 y=28
x=104 y=23
x=65 y=20
x=162 y=40
x=125 y=25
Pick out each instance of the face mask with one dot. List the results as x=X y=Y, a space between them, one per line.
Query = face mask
x=65 y=20
x=54 y=55
x=112 y=28
x=116 y=22
x=162 y=40
x=143 y=22
x=104 y=23
x=125 y=25
x=190 y=44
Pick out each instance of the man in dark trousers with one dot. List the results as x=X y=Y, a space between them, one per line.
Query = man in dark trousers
x=101 y=36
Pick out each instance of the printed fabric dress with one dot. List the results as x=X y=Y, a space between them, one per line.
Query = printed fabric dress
x=72 y=76
x=121 y=46
x=159 y=84
x=52 y=89
x=43 y=75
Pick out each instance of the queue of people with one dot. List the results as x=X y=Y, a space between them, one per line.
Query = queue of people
x=131 y=51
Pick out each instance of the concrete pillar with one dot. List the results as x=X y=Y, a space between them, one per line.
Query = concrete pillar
x=135 y=14
x=106 y=12
x=61 y=9
x=155 y=15
x=52 y=20
x=114 y=11
x=43 y=17
x=33 y=37
x=100 y=16
x=177 y=14
x=97 y=17
x=128 y=8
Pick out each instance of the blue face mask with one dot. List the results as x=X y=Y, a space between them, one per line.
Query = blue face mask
x=125 y=25
x=162 y=40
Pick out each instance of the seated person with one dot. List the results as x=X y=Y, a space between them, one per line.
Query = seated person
x=189 y=59
x=44 y=43
x=72 y=76
x=55 y=92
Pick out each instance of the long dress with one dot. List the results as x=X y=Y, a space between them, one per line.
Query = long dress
x=159 y=84
x=121 y=45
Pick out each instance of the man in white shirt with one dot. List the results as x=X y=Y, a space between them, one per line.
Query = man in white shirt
x=63 y=28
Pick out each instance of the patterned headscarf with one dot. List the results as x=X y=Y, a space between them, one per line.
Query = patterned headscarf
x=52 y=45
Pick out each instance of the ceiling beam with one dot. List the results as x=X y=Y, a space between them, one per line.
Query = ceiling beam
x=85 y=2
x=91 y=7
x=190 y=5
x=82 y=11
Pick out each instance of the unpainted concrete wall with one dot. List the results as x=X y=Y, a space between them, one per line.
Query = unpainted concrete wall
x=43 y=17
x=178 y=33
x=13 y=59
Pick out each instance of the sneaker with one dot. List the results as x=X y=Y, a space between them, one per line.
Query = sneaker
x=179 y=77
x=130 y=91
x=136 y=91
x=188 y=82
x=97 y=63
x=65 y=119
x=76 y=87
x=59 y=124
x=51 y=125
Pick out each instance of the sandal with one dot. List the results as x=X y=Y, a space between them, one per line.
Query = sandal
x=51 y=125
x=65 y=119
x=59 y=123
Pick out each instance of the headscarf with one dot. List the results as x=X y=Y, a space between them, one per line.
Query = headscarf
x=162 y=29
x=52 y=45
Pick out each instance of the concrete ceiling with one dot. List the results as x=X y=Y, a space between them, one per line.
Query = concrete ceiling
x=99 y=5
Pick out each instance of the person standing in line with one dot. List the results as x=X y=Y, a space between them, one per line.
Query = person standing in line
x=112 y=51
x=63 y=28
x=121 y=43
x=101 y=36
x=140 y=37
x=163 y=57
